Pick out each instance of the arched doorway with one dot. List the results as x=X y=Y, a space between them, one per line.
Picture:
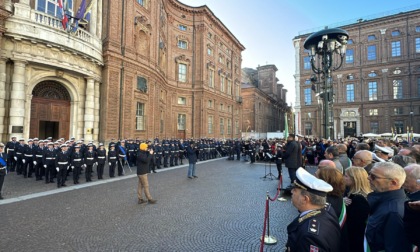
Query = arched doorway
x=50 y=111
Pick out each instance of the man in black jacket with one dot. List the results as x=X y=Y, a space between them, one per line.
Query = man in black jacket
x=144 y=156
x=292 y=157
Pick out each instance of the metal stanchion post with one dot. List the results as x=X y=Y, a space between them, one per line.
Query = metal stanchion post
x=269 y=239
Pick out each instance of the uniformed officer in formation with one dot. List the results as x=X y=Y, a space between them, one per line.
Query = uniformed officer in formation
x=28 y=159
x=20 y=148
x=158 y=154
x=49 y=163
x=38 y=156
x=112 y=160
x=62 y=165
x=122 y=157
x=166 y=153
x=76 y=162
x=314 y=229
x=90 y=160
x=131 y=152
x=101 y=155
x=11 y=150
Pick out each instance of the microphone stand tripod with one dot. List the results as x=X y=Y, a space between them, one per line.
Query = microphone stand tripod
x=268 y=175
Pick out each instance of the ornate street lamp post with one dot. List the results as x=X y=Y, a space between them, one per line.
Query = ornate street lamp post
x=323 y=46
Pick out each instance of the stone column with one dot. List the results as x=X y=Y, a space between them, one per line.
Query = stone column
x=93 y=18
x=99 y=20
x=96 y=112
x=2 y=97
x=89 y=109
x=17 y=98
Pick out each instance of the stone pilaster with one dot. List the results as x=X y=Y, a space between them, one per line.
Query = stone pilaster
x=2 y=97
x=93 y=18
x=89 y=109
x=17 y=98
x=22 y=9
x=96 y=112
x=99 y=20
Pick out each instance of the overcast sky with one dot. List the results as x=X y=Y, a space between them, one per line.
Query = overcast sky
x=267 y=27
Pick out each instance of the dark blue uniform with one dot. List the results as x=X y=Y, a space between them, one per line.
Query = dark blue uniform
x=112 y=161
x=49 y=164
x=76 y=162
x=317 y=230
x=62 y=165
x=11 y=150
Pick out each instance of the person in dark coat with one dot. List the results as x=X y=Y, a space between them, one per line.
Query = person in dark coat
x=101 y=158
x=3 y=167
x=62 y=165
x=112 y=160
x=279 y=157
x=192 y=160
x=76 y=162
x=142 y=161
x=314 y=229
x=292 y=157
x=11 y=150
x=49 y=163
x=90 y=160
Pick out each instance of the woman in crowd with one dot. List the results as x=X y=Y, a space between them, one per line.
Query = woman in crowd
x=356 y=180
x=335 y=198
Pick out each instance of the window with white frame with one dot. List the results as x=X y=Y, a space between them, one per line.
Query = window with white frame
x=398 y=89
x=140 y=122
x=222 y=126
x=222 y=107
x=182 y=72
x=182 y=118
x=182 y=44
x=229 y=126
x=398 y=111
x=210 y=103
x=395 y=48
x=373 y=91
x=50 y=7
x=350 y=92
x=373 y=112
x=417 y=42
x=229 y=87
x=182 y=100
x=222 y=84
x=211 y=78
x=210 y=124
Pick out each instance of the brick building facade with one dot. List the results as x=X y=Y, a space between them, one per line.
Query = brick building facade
x=171 y=71
x=264 y=100
x=378 y=86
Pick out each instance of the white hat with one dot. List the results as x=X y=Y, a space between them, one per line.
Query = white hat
x=306 y=181
x=383 y=149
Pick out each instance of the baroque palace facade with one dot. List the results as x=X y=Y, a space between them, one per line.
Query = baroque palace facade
x=139 y=69
x=378 y=86
x=171 y=71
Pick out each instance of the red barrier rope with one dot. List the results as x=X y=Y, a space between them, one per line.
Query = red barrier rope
x=266 y=215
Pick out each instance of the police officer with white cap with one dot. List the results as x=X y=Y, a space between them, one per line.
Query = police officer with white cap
x=62 y=165
x=381 y=154
x=315 y=229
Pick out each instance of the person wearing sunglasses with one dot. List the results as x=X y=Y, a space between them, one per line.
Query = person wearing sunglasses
x=384 y=229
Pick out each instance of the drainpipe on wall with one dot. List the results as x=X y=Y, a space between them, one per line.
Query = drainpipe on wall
x=193 y=80
x=121 y=72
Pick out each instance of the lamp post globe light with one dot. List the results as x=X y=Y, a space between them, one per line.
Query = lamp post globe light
x=324 y=47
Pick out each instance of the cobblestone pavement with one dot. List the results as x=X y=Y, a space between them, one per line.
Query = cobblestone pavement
x=222 y=210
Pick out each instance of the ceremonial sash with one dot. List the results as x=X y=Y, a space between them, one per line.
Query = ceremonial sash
x=123 y=151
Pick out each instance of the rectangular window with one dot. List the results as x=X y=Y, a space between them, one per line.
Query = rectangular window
x=399 y=126
x=141 y=84
x=398 y=111
x=182 y=72
x=306 y=63
x=350 y=93
x=182 y=100
x=236 y=127
x=308 y=96
x=210 y=125
x=229 y=87
x=51 y=7
x=182 y=27
x=398 y=89
x=349 y=56
x=417 y=45
x=140 y=116
x=182 y=44
x=222 y=84
x=182 y=118
x=373 y=91
x=210 y=103
x=211 y=78
x=417 y=28
x=162 y=117
x=209 y=51
x=395 y=48
x=229 y=126
x=371 y=52
x=371 y=37
x=141 y=2
x=222 y=126
x=308 y=128
x=373 y=112
x=374 y=127
x=222 y=107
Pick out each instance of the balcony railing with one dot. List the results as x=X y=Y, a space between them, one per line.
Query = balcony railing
x=239 y=99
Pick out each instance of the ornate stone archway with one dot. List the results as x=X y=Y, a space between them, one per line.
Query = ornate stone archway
x=50 y=111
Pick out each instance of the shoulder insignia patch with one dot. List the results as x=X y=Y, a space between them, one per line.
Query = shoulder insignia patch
x=308 y=215
x=313 y=227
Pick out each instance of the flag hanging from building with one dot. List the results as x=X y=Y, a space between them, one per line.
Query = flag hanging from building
x=64 y=19
x=79 y=15
x=286 y=126
x=88 y=12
